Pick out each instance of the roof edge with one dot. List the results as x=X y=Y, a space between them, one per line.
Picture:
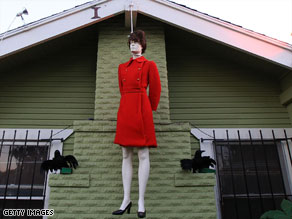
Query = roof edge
x=274 y=51
x=227 y=24
x=51 y=18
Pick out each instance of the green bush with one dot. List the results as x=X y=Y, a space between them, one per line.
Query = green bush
x=286 y=206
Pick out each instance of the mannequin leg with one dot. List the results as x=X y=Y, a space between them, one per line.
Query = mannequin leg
x=127 y=172
x=143 y=173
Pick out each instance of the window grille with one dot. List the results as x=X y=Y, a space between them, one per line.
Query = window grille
x=22 y=184
x=252 y=174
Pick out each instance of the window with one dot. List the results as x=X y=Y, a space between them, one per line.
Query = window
x=252 y=169
x=22 y=184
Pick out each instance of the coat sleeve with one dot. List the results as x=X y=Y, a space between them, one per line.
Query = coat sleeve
x=120 y=79
x=154 y=86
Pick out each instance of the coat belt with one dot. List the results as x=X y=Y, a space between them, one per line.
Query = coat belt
x=142 y=90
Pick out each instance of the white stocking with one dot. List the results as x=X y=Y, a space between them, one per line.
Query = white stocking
x=127 y=172
x=144 y=168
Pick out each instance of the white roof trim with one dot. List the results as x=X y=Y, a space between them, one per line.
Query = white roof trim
x=58 y=25
x=229 y=34
x=166 y=11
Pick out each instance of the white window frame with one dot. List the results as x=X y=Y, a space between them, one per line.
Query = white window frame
x=220 y=133
x=33 y=135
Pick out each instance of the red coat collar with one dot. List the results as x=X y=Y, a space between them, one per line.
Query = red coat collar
x=140 y=59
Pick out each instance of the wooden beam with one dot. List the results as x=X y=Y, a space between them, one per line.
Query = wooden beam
x=286 y=96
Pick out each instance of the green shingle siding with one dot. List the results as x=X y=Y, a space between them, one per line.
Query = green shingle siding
x=211 y=91
x=54 y=87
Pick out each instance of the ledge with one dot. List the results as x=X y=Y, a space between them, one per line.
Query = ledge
x=94 y=126
x=69 y=180
x=110 y=126
x=190 y=179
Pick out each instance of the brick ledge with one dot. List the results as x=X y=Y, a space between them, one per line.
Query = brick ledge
x=110 y=126
x=70 y=180
x=189 y=179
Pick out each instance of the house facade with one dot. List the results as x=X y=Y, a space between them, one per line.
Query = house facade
x=224 y=89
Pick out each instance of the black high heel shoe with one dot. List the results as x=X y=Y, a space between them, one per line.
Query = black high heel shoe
x=141 y=214
x=120 y=212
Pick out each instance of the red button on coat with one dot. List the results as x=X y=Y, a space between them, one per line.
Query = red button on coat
x=135 y=120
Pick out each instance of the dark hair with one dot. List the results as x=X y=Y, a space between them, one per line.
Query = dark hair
x=138 y=36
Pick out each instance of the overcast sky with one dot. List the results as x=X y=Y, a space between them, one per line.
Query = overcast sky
x=270 y=17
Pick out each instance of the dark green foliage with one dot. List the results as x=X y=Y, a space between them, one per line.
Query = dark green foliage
x=286 y=206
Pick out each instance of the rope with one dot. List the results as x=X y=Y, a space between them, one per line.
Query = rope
x=131 y=5
x=63 y=130
x=7 y=29
x=202 y=131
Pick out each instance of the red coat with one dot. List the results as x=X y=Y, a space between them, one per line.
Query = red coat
x=135 y=121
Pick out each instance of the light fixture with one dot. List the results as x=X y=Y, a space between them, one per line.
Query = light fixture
x=19 y=14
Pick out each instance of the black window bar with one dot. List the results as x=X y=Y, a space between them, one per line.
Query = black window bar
x=22 y=184
x=251 y=177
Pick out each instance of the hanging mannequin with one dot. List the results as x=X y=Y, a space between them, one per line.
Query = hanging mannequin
x=135 y=126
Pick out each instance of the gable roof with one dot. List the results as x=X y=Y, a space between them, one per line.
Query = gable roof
x=166 y=11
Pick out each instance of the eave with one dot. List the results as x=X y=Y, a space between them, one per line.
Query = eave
x=247 y=41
